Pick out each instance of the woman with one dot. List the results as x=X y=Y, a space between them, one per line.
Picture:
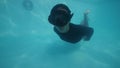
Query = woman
x=60 y=17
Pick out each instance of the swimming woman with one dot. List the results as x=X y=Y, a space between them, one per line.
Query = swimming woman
x=60 y=16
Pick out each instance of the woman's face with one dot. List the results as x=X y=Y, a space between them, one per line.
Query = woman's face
x=61 y=17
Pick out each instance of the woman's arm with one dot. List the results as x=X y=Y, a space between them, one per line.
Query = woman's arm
x=85 y=20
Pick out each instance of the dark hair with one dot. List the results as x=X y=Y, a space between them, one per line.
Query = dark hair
x=63 y=16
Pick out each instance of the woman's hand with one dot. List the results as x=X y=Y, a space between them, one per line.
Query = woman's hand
x=87 y=12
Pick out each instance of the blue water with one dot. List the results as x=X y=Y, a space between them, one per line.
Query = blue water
x=27 y=40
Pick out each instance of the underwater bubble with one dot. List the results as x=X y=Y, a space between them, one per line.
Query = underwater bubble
x=28 y=5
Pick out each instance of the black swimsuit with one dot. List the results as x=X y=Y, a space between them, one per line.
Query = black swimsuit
x=75 y=33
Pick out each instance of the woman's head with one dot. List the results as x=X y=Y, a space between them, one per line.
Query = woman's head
x=60 y=15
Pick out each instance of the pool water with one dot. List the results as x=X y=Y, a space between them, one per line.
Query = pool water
x=27 y=40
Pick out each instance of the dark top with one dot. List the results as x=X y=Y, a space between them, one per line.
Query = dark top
x=75 y=33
